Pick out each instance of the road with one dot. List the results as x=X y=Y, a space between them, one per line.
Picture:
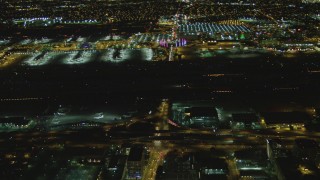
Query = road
x=156 y=158
x=162 y=115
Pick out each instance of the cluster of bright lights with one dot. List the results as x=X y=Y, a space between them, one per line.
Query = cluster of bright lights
x=42 y=41
x=20 y=99
x=81 y=39
x=79 y=22
x=177 y=43
x=47 y=57
x=211 y=28
x=25 y=41
x=4 y=42
x=141 y=38
x=146 y=54
x=127 y=54
x=109 y=37
x=83 y=57
x=47 y=21
x=108 y=55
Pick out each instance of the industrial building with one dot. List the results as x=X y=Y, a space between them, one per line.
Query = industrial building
x=285 y=120
x=135 y=163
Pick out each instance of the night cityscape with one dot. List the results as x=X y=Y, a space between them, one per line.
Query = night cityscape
x=160 y=90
